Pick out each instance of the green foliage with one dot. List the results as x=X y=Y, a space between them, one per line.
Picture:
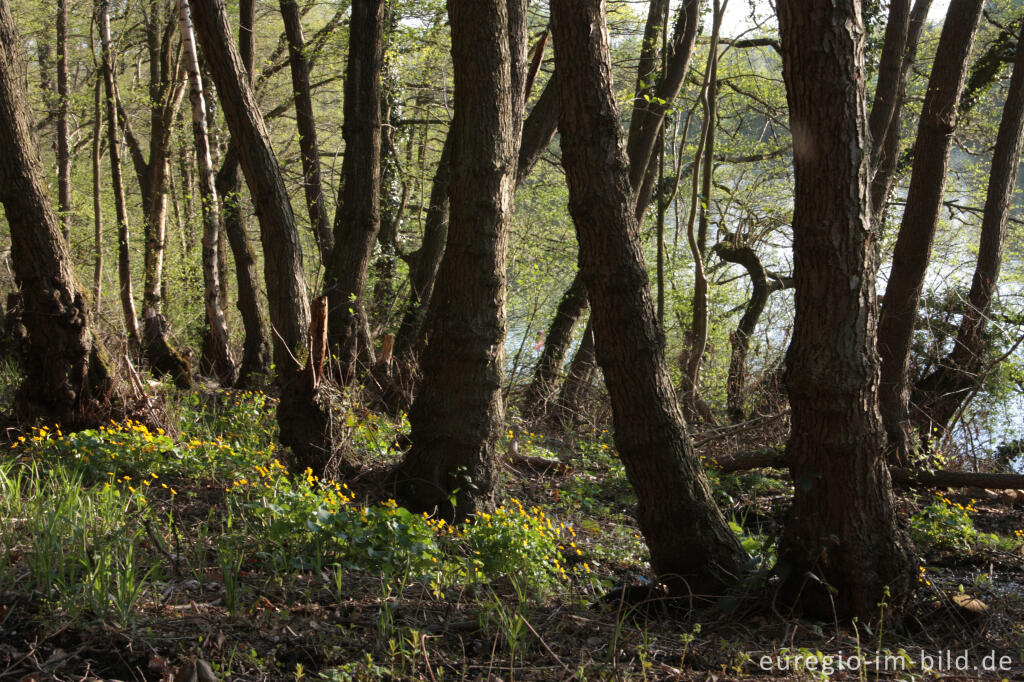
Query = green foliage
x=945 y=524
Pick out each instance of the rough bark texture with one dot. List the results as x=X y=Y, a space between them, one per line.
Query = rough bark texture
x=544 y=384
x=304 y=424
x=920 y=217
x=67 y=376
x=841 y=547
x=676 y=511
x=219 y=347
x=309 y=150
x=357 y=220
x=97 y=199
x=939 y=395
x=458 y=415
x=578 y=379
x=124 y=270
x=63 y=138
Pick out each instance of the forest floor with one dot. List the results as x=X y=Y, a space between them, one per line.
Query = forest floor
x=176 y=547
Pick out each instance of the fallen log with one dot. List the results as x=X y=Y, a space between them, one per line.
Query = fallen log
x=776 y=458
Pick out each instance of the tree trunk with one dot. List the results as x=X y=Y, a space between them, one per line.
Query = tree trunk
x=763 y=286
x=255 y=347
x=676 y=511
x=578 y=379
x=304 y=424
x=309 y=151
x=841 y=548
x=67 y=375
x=124 y=270
x=357 y=220
x=458 y=414
x=63 y=138
x=920 y=218
x=544 y=385
x=938 y=396
x=220 y=350
x=97 y=199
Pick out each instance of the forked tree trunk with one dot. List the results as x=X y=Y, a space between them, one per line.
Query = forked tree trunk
x=676 y=511
x=841 y=548
x=938 y=396
x=303 y=421
x=124 y=270
x=920 y=217
x=357 y=220
x=255 y=347
x=458 y=414
x=67 y=375
x=223 y=364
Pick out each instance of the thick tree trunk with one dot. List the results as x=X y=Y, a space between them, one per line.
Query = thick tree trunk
x=841 y=548
x=458 y=415
x=67 y=376
x=357 y=220
x=938 y=396
x=309 y=150
x=676 y=511
x=544 y=385
x=304 y=423
x=124 y=270
x=920 y=217
x=219 y=346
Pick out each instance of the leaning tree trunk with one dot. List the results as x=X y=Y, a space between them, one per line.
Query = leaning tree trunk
x=124 y=270
x=67 y=375
x=544 y=385
x=676 y=510
x=920 y=218
x=938 y=396
x=357 y=220
x=303 y=421
x=220 y=349
x=458 y=414
x=309 y=150
x=575 y=389
x=841 y=551
x=255 y=347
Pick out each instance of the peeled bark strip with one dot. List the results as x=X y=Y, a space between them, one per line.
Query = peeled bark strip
x=676 y=511
x=223 y=364
x=304 y=424
x=938 y=396
x=841 y=547
x=357 y=220
x=458 y=415
x=67 y=375
x=920 y=217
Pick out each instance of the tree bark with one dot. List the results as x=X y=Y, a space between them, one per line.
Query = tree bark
x=458 y=414
x=63 y=138
x=67 y=375
x=304 y=424
x=841 y=548
x=309 y=150
x=676 y=511
x=920 y=218
x=578 y=379
x=357 y=220
x=938 y=396
x=124 y=270
x=97 y=199
x=544 y=385
x=219 y=346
